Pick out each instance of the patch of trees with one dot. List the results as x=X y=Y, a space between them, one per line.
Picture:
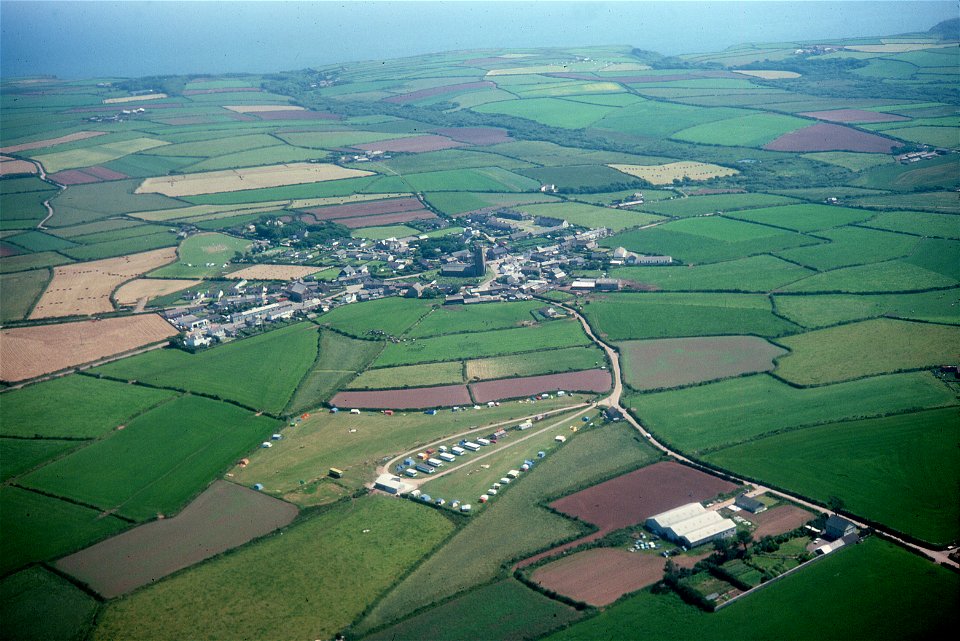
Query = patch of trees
x=299 y=234
x=433 y=248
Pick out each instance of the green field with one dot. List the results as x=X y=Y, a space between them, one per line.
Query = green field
x=26 y=262
x=805 y=217
x=919 y=223
x=86 y=203
x=908 y=469
x=20 y=291
x=515 y=521
x=849 y=246
x=850 y=160
x=454 y=319
x=19 y=455
x=47 y=527
x=656 y=119
x=95 y=154
x=339 y=358
x=632 y=316
x=122 y=247
x=392 y=316
x=549 y=361
x=878 y=591
x=554 y=112
x=324 y=440
x=829 y=309
x=891 y=276
x=36 y=605
x=203 y=256
x=85 y=407
x=713 y=239
x=334 y=565
x=590 y=216
x=755 y=274
x=746 y=131
x=867 y=348
x=382 y=233
x=458 y=202
x=505 y=610
x=159 y=461
x=550 y=335
x=721 y=414
x=410 y=376
x=936 y=201
x=37 y=241
x=698 y=205
x=575 y=177
x=260 y=372
x=478 y=179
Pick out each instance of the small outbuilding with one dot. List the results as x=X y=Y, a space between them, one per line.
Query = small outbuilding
x=750 y=504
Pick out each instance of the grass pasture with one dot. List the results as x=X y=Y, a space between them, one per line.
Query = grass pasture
x=754 y=274
x=591 y=216
x=552 y=335
x=36 y=604
x=47 y=527
x=339 y=358
x=805 y=217
x=85 y=407
x=203 y=256
x=20 y=291
x=570 y=359
x=261 y=372
x=553 y=112
x=824 y=310
x=635 y=316
x=21 y=455
x=868 y=594
x=454 y=203
x=392 y=316
x=699 y=205
x=96 y=201
x=721 y=414
x=454 y=319
x=908 y=468
x=919 y=223
x=885 y=277
x=505 y=610
x=448 y=373
x=745 y=131
x=160 y=460
x=866 y=348
x=852 y=246
x=320 y=591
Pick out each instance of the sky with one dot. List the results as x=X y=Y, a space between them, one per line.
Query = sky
x=92 y=38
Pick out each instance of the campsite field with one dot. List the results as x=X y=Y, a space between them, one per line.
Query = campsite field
x=29 y=352
x=907 y=468
x=724 y=413
x=220 y=597
x=274 y=363
x=203 y=256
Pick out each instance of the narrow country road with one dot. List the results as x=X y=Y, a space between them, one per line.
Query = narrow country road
x=613 y=400
x=46 y=203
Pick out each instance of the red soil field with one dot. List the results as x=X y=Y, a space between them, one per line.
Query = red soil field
x=200 y=92
x=403 y=399
x=632 y=498
x=386 y=219
x=853 y=115
x=591 y=380
x=365 y=208
x=778 y=520
x=297 y=115
x=86 y=175
x=827 y=137
x=475 y=135
x=413 y=96
x=8 y=250
x=223 y=517
x=600 y=576
x=415 y=144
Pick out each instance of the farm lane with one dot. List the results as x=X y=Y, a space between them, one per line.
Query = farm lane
x=46 y=203
x=613 y=400
x=388 y=466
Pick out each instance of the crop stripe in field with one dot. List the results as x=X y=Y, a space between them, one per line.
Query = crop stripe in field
x=67 y=499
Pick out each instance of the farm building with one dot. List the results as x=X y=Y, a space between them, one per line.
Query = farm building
x=838 y=527
x=750 y=504
x=691 y=525
x=390 y=484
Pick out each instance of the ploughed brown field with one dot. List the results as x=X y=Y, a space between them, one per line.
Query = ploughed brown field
x=28 y=352
x=11 y=167
x=600 y=576
x=351 y=210
x=386 y=219
x=86 y=175
x=591 y=380
x=50 y=142
x=632 y=498
x=223 y=517
x=413 y=96
x=853 y=115
x=85 y=288
x=475 y=135
x=828 y=137
x=403 y=399
x=414 y=144
x=778 y=520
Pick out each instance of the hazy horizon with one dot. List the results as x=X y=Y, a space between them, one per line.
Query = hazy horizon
x=97 y=39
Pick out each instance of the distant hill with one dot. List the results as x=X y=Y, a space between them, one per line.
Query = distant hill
x=948 y=29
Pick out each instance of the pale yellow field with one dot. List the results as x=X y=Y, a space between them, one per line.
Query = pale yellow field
x=214 y=182
x=516 y=71
x=275 y=272
x=12 y=166
x=767 y=74
x=50 y=142
x=95 y=155
x=196 y=211
x=84 y=288
x=898 y=47
x=28 y=352
x=130 y=293
x=149 y=96
x=626 y=66
x=666 y=174
x=576 y=89
x=250 y=109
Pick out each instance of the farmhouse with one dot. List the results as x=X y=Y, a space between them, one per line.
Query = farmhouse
x=750 y=504
x=838 y=527
x=691 y=525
